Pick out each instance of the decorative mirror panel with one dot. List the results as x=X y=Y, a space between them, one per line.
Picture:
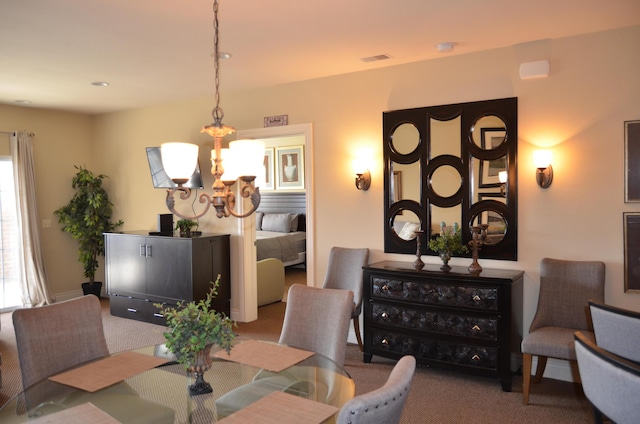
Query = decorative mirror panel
x=452 y=163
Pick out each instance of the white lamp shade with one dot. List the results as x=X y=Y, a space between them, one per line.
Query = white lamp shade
x=542 y=158
x=179 y=159
x=502 y=176
x=248 y=157
x=359 y=166
x=229 y=164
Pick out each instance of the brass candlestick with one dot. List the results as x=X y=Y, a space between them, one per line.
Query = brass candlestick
x=418 y=264
x=478 y=236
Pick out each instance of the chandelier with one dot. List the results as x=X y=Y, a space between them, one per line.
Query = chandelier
x=240 y=161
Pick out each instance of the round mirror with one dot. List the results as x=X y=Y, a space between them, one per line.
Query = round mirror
x=405 y=224
x=489 y=132
x=446 y=181
x=405 y=139
x=497 y=225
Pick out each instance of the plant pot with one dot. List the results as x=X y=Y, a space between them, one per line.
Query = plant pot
x=201 y=364
x=92 y=288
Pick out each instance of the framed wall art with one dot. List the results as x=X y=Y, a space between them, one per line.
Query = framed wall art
x=491 y=138
x=267 y=182
x=632 y=161
x=631 y=252
x=290 y=168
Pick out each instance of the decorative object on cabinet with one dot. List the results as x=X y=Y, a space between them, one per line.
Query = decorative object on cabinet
x=478 y=236
x=86 y=217
x=565 y=290
x=632 y=161
x=449 y=319
x=418 y=264
x=141 y=270
x=193 y=328
x=444 y=155
x=447 y=243
x=184 y=227
x=631 y=252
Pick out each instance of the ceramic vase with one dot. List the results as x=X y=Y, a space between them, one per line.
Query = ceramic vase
x=445 y=257
x=201 y=364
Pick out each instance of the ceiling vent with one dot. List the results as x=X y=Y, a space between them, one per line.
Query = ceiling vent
x=376 y=58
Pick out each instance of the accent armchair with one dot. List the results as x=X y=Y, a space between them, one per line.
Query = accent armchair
x=616 y=330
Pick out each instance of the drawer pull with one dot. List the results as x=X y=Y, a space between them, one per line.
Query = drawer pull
x=385 y=288
x=384 y=315
x=477 y=298
x=157 y=315
x=475 y=358
x=132 y=310
x=385 y=342
x=475 y=328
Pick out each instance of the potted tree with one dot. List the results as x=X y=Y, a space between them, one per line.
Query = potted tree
x=86 y=217
x=193 y=329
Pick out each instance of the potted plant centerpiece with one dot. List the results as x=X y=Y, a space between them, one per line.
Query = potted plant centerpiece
x=87 y=217
x=448 y=242
x=194 y=327
x=184 y=226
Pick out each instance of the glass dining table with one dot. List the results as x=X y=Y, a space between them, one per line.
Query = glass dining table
x=161 y=394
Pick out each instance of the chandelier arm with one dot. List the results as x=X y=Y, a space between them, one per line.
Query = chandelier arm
x=185 y=193
x=247 y=191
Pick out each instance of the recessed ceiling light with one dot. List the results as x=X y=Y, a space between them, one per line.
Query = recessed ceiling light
x=100 y=83
x=376 y=58
x=446 y=47
x=24 y=102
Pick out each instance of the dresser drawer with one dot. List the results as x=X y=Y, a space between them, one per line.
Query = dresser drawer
x=434 y=321
x=485 y=298
x=137 y=309
x=423 y=348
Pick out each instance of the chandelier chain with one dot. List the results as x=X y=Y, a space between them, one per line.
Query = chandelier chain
x=217 y=113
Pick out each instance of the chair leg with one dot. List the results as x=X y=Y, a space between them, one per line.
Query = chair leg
x=356 y=328
x=542 y=363
x=527 y=359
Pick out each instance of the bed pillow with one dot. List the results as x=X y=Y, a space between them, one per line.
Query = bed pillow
x=259 y=216
x=408 y=231
x=294 y=222
x=278 y=222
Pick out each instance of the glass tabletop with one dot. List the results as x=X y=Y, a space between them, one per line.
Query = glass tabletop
x=161 y=395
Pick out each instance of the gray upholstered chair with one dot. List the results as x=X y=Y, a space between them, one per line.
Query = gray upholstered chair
x=565 y=290
x=610 y=382
x=318 y=320
x=383 y=405
x=345 y=272
x=56 y=337
x=616 y=330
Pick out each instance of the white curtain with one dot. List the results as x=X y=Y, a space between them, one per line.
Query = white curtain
x=33 y=277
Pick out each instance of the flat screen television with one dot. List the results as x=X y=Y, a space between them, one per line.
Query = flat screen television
x=160 y=178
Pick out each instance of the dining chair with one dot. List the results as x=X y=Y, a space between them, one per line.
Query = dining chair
x=565 y=290
x=317 y=319
x=56 y=337
x=345 y=273
x=383 y=405
x=610 y=382
x=616 y=330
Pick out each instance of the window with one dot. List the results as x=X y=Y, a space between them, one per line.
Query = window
x=9 y=277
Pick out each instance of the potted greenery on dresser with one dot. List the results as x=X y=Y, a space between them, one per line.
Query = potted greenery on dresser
x=193 y=329
x=447 y=243
x=87 y=217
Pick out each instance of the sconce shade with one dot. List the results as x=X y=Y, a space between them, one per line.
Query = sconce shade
x=542 y=158
x=179 y=160
x=248 y=156
x=502 y=176
x=544 y=172
x=359 y=166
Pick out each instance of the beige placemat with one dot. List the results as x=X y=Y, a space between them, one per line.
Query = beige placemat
x=282 y=408
x=270 y=356
x=81 y=414
x=105 y=372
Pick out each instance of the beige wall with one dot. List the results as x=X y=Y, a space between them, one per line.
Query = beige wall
x=579 y=110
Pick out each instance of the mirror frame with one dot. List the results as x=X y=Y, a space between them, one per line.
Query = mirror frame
x=505 y=109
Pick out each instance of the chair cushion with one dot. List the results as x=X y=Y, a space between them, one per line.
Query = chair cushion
x=553 y=342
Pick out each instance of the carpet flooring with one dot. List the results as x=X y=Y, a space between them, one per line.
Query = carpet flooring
x=436 y=396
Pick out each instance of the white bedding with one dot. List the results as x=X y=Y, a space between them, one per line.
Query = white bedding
x=288 y=247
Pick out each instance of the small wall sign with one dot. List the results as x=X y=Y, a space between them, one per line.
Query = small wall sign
x=276 y=121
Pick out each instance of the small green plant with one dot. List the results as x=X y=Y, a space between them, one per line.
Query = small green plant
x=449 y=241
x=185 y=225
x=195 y=325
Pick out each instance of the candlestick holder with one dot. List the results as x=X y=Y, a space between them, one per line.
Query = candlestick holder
x=418 y=264
x=478 y=236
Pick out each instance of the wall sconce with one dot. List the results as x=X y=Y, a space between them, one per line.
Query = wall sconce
x=502 y=177
x=544 y=172
x=363 y=176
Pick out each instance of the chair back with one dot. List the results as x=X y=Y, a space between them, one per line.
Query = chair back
x=565 y=289
x=611 y=383
x=383 y=405
x=318 y=320
x=56 y=337
x=617 y=330
x=345 y=272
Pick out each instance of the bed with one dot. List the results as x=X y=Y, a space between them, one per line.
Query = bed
x=281 y=228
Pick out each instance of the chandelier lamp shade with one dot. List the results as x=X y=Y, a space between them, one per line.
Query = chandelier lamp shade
x=241 y=162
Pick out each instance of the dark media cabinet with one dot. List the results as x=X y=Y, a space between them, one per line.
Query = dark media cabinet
x=141 y=269
x=445 y=319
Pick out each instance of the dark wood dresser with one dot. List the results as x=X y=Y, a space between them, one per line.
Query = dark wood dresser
x=446 y=319
x=141 y=270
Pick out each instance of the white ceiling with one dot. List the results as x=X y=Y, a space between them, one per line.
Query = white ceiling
x=155 y=51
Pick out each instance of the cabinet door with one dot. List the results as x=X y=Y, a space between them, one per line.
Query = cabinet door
x=125 y=265
x=168 y=269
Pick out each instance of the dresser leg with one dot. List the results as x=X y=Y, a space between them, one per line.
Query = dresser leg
x=506 y=384
x=366 y=357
